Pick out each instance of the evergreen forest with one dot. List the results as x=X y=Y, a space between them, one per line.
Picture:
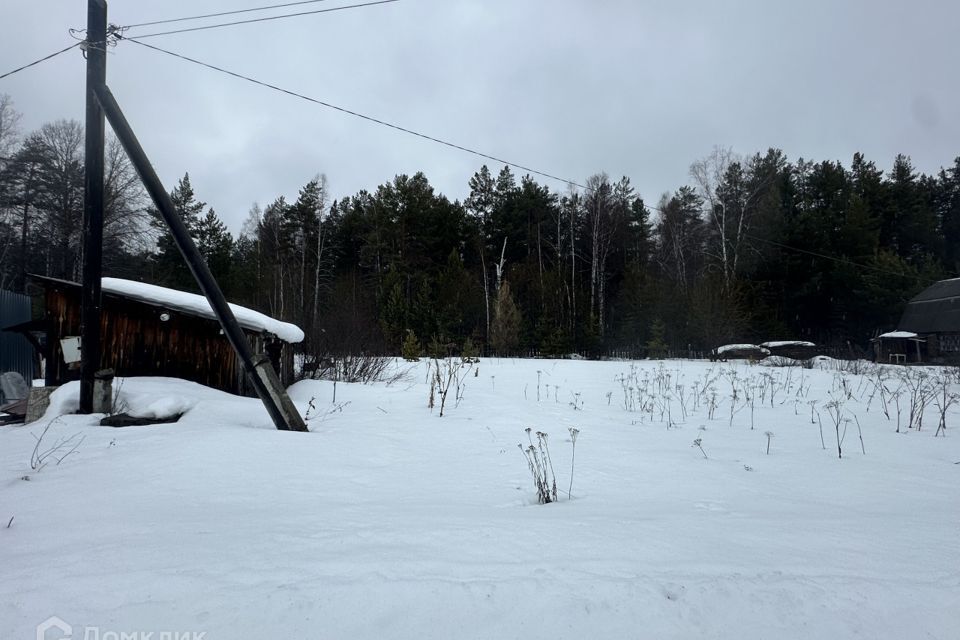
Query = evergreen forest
x=754 y=247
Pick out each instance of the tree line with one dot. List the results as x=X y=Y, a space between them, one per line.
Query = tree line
x=752 y=248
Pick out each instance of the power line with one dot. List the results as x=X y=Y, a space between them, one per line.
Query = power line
x=478 y=153
x=845 y=261
x=221 y=14
x=264 y=19
x=359 y=115
x=43 y=59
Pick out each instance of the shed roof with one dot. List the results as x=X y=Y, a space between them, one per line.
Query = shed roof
x=190 y=304
x=897 y=335
x=936 y=309
x=939 y=291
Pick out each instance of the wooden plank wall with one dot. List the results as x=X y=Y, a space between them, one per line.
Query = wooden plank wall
x=136 y=342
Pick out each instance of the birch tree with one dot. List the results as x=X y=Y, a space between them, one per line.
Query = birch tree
x=480 y=204
x=730 y=191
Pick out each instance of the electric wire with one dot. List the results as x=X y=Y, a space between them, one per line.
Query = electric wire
x=483 y=155
x=221 y=14
x=43 y=59
x=356 y=114
x=845 y=261
x=263 y=19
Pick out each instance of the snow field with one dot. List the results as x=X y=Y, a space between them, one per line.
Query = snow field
x=388 y=521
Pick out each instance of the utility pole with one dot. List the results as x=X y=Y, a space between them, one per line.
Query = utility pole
x=96 y=50
x=101 y=103
x=257 y=367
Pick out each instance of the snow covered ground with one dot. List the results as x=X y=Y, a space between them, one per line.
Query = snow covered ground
x=388 y=521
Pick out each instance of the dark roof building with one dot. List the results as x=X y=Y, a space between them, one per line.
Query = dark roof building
x=936 y=309
x=934 y=316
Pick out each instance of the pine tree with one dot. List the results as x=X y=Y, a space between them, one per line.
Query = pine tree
x=505 y=333
x=170 y=269
x=275 y=250
x=680 y=237
x=948 y=213
x=216 y=246
x=410 y=350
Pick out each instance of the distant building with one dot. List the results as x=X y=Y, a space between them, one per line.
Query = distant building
x=148 y=330
x=929 y=329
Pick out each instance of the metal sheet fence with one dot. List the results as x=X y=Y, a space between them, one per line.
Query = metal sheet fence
x=16 y=352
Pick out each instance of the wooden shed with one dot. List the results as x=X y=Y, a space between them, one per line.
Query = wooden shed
x=898 y=347
x=148 y=330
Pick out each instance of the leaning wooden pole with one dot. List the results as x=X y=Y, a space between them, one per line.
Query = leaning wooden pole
x=258 y=369
x=96 y=51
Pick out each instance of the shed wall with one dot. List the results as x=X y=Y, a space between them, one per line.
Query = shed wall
x=137 y=342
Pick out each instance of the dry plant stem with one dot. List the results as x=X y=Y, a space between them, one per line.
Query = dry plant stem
x=896 y=399
x=573 y=438
x=445 y=373
x=698 y=444
x=326 y=413
x=820 y=422
x=836 y=414
x=40 y=456
x=354 y=368
x=943 y=401
x=545 y=453
x=539 y=465
x=860 y=433
x=35 y=456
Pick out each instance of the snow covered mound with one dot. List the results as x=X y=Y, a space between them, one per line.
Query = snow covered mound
x=793 y=349
x=389 y=521
x=777 y=344
x=742 y=351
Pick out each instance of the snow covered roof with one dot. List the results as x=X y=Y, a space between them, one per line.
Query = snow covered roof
x=740 y=347
x=897 y=334
x=195 y=304
x=786 y=343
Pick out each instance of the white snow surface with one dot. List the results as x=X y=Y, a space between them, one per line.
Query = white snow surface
x=786 y=343
x=198 y=305
x=898 y=334
x=387 y=521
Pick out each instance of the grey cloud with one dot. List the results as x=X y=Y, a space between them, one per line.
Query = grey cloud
x=571 y=87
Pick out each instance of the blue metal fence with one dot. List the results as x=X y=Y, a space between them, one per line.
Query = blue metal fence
x=16 y=352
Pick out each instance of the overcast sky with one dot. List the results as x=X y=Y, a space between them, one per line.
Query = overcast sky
x=569 y=87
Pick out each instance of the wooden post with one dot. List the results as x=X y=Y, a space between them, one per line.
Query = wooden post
x=96 y=50
x=261 y=375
